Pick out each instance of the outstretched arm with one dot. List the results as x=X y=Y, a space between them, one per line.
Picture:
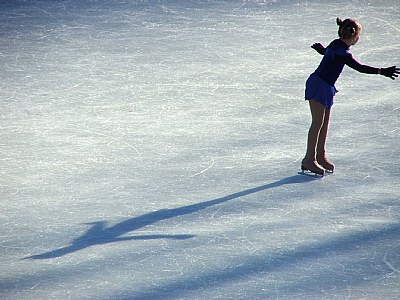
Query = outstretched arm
x=319 y=48
x=391 y=72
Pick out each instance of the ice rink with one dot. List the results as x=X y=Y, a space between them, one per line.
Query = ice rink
x=151 y=150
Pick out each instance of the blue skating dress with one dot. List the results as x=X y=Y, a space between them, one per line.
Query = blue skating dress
x=320 y=86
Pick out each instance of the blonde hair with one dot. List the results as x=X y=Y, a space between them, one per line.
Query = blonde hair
x=348 y=28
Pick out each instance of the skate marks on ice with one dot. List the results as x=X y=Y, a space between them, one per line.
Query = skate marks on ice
x=99 y=233
x=323 y=249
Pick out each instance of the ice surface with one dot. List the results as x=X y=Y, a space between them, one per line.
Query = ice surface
x=150 y=150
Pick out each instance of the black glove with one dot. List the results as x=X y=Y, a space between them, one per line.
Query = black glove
x=319 y=48
x=391 y=72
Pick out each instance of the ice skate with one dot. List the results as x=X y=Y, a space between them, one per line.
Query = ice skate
x=326 y=164
x=313 y=167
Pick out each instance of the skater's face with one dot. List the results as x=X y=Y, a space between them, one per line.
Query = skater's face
x=352 y=40
x=356 y=38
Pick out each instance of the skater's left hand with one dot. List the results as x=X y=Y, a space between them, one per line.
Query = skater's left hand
x=319 y=48
x=391 y=72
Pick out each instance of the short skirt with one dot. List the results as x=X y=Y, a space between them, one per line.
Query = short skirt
x=320 y=91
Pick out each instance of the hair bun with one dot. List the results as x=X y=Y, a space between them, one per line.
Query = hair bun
x=339 y=21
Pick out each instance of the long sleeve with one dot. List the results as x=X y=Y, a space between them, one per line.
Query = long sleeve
x=354 y=64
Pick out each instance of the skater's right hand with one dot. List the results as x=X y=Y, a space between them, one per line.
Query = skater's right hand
x=319 y=48
x=391 y=72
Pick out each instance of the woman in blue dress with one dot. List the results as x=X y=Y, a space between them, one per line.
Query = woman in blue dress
x=320 y=91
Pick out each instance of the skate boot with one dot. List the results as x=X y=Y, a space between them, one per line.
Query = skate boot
x=325 y=163
x=312 y=166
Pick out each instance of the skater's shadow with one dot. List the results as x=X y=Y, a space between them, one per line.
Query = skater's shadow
x=99 y=233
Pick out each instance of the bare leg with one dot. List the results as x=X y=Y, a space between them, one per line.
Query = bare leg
x=321 y=156
x=318 y=116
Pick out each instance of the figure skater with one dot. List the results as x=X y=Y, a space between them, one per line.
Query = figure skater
x=320 y=90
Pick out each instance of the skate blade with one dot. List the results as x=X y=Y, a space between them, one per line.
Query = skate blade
x=310 y=174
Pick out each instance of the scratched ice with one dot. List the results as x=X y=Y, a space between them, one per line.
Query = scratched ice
x=151 y=149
